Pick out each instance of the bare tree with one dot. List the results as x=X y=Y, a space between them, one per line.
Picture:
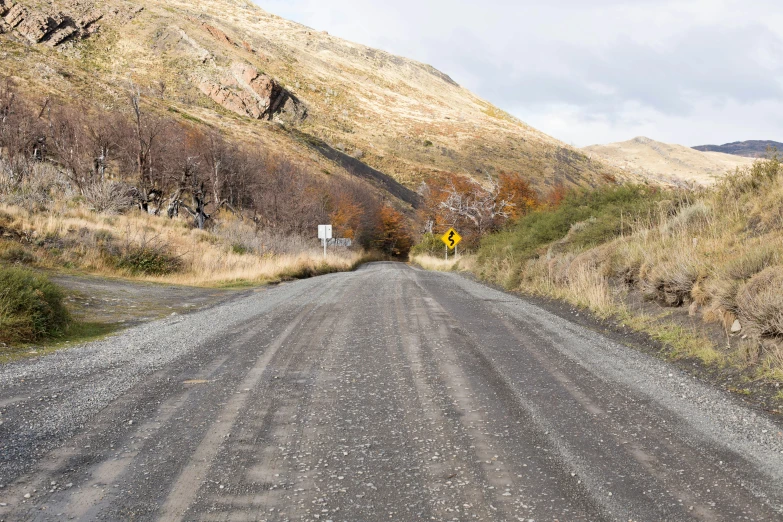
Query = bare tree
x=69 y=143
x=147 y=130
x=22 y=136
x=480 y=205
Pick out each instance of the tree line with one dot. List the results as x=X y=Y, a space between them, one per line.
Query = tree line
x=169 y=167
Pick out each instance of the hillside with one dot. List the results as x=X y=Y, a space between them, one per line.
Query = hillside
x=700 y=271
x=322 y=100
x=667 y=163
x=748 y=149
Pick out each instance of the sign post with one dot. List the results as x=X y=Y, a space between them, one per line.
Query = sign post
x=324 y=233
x=451 y=239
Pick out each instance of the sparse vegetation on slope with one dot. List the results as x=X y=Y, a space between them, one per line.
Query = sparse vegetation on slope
x=234 y=66
x=667 y=163
x=658 y=260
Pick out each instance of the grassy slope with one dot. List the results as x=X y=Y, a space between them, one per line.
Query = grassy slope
x=679 y=266
x=407 y=119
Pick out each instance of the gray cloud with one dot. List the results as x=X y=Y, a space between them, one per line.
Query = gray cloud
x=691 y=71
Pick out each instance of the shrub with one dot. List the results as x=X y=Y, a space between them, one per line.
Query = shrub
x=690 y=218
x=31 y=307
x=16 y=254
x=431 y=245
x=148 y=260
x=108 y=197
x=605 y=213
x=751 y=263
x=239 y=249
x=672 y=282
x=750 y=179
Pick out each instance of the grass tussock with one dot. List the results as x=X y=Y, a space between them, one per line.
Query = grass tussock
x=717 y=254
x=31 y=307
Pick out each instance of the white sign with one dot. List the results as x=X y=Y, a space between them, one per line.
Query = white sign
x=324 y=231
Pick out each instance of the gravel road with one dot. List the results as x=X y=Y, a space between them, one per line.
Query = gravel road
x=389 y=393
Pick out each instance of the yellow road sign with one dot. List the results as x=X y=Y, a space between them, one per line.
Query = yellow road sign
x=451 y=238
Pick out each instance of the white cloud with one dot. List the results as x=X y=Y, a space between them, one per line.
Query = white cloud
x=687 y=71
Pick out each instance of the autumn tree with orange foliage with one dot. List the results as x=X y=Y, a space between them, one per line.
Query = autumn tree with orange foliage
x=393 y=236
x=519 y=196
x=475 y=208
x=346 y=213
x=557 y=195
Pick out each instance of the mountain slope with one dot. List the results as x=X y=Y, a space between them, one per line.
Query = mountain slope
x=666 y=163
x=229 y=63
x=749 y=149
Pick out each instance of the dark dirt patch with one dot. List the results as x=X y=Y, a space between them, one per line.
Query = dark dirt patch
x=122 y=302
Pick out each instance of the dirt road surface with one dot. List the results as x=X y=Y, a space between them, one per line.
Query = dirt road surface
x=389 y=393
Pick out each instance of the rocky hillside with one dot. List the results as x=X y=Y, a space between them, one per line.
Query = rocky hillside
x=349 y=108
x=749 y=149
x=666 y=163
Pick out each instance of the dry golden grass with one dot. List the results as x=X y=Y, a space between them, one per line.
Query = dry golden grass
x=436 y=264
x=70 y=236
x=463 y=263
x=720 y=255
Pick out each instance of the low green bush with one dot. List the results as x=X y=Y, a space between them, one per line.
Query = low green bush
x=430 y=244
x=148 y=261
x=31 y=307
x=239 y=249
x=602 y=214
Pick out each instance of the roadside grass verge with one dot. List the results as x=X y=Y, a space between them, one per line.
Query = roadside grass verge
x=699 y=271
x=436 y=264
x=150 y=248
x=76 y=333
x=33 y=318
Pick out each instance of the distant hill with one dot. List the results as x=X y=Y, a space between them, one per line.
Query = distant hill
x=664 y=162
x=748 y=149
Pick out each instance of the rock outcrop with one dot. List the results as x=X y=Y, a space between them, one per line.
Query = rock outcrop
x=247 y=92
x=58 y=24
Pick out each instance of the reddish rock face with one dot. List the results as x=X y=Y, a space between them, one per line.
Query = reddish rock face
x=15 y=15
x=248 y=92
x=37 y=26
x=60 y=22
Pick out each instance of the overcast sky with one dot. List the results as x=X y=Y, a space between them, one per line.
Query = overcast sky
x=589 y=71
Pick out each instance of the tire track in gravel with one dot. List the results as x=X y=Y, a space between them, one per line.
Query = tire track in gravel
x=110 y=438
x=458 y=478
x=358 y=458
x=254 y=470
x=185 y=489
x=514 y=455
x=384 y=394
x=635 y=453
